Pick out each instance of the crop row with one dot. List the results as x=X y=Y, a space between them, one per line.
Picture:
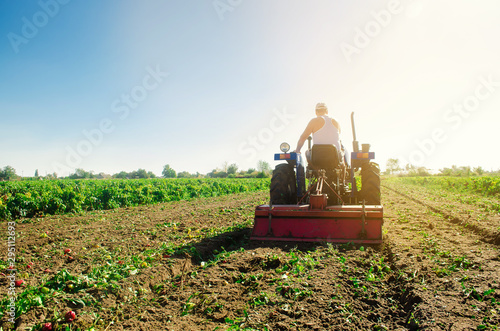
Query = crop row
x=484 y=185
x=36 y=198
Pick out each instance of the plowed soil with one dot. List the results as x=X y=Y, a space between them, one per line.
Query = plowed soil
x=438 y=269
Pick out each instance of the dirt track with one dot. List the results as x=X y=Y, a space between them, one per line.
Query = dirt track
x=438 y=269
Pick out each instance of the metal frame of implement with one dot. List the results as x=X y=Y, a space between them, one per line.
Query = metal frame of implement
x=339 y=224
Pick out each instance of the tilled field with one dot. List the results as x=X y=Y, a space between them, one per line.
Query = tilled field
x=190 y=266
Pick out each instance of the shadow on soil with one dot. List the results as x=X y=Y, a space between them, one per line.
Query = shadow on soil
x=208 y=248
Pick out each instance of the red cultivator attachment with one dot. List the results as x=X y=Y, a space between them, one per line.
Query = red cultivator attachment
x=340 y=224
x=332 y=209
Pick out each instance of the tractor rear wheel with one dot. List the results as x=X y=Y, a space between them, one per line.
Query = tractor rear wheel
x=370 y=183
x=283 y=185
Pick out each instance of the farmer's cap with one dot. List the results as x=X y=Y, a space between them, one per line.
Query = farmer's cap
x=321 y=106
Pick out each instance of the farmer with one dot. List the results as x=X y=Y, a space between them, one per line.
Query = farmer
x=324 y=129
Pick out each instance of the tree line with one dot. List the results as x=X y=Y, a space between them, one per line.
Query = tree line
x=393 y=167
x=263 y=170
x=226 y=171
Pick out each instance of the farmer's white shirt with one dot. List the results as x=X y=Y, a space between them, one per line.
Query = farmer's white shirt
x=327 y=135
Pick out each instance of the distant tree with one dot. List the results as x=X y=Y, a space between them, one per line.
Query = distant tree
x=184 y=174
x=494 y=172
x=445 y=172
x=36 y=173
x=392 y=166
x=409 y=167
x=251 y=170
x=151 y=174
x=262 y=174
x=217 y=173
x=139 y=173
x=420 y=171
x=121 y=174
x=479 y=171
x=102 y=175
x=231 y=170
x=253 y=174
x=221 y=174
x=8 y=173
x=168 y=172
x=51 y=176
x=465 y=171
x=81 y=174
x=264 y=167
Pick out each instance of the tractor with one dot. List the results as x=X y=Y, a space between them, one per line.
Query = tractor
x=330 y=207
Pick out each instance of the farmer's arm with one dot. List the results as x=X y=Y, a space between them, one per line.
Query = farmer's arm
x=307 y=132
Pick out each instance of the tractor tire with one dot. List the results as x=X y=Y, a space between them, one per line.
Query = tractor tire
x=370 y=184
x=283 y=185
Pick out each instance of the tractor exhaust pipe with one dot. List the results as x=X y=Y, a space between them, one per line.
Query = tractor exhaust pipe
x=355 y=143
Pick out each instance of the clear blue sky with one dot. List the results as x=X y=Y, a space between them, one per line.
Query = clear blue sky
x=120 y=85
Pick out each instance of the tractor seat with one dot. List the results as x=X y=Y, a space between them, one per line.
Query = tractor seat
x=325 y=157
